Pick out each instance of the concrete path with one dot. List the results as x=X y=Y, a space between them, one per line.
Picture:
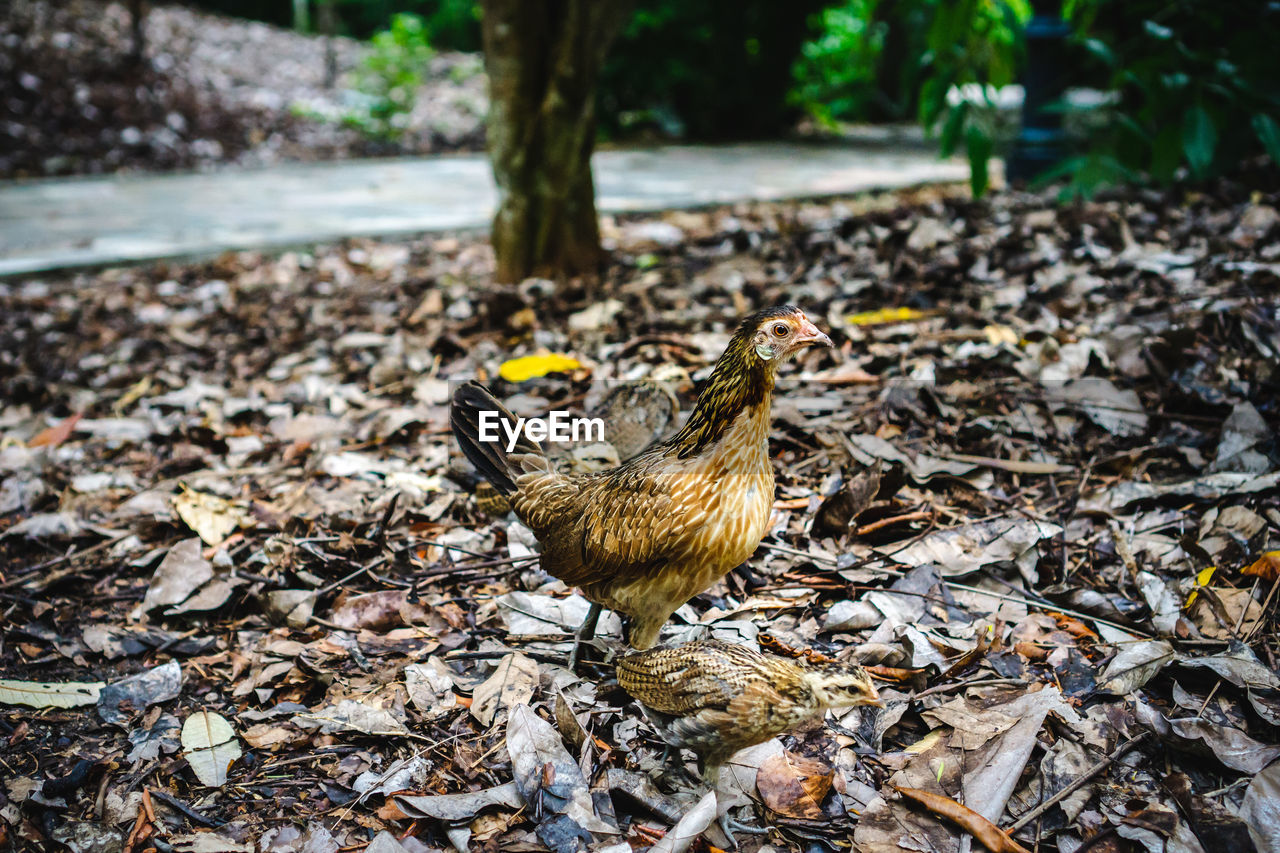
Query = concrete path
x=57 y=224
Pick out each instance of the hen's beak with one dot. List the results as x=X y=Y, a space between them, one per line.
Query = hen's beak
x=810 y=334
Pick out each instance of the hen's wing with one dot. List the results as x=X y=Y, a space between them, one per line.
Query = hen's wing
x=617 y=524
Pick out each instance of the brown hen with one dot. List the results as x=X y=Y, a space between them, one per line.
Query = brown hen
x=645 y=537
x=637 y=414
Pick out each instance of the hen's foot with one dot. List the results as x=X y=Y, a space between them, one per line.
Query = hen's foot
x=729 y=826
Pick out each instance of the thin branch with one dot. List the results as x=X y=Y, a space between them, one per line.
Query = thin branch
x=1078 y=784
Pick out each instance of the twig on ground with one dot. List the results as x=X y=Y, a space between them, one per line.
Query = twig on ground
x=1093 y=771
x=70 y=555
x=187 y=810
x=919 y=515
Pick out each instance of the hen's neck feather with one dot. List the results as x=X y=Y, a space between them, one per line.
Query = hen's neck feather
x=741 y=380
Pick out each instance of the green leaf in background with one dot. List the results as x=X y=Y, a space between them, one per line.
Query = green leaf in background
x=1269 y=135
x=951 y=129
x=1166 y=154
x=1101 y=50
x=1199 y=139
x=979 y=144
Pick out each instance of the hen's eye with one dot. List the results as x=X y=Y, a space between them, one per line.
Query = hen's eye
x=780 y=330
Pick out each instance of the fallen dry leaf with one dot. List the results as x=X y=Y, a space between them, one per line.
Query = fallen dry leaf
x=512 y=683
x=210 y=746
x=55 y=435
x=1266 y=567
x=987 y=833
x=793 y=785
x=66 y=694
x=210 y=517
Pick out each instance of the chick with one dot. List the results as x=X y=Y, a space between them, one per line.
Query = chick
x=715 y=698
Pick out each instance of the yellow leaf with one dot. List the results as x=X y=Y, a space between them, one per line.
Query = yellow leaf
x=998 y=334
x=133 y=395
x=531 y=366
x=211 y=518
x=925 y=743
x=885 y=315
x=1202 y=580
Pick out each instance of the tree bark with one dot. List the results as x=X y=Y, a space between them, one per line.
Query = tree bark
x=327 y=17
x=137 y=32
x=543 y=59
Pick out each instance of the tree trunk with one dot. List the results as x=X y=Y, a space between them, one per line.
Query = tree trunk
x=327 y=18
x=543 y=58
x=301 y=16
x=137 y=32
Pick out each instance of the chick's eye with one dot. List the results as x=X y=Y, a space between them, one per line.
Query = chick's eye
x=780 y=330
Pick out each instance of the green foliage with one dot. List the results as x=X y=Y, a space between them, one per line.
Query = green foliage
x=974 y=47
x=835 y=76
x=389 y=77
x=449 y=24
x=1192 y=84
x=716 y=69
x=1197 y=87
x=968 y=46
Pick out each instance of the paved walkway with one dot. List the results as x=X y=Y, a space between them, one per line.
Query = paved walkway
x=58 y=224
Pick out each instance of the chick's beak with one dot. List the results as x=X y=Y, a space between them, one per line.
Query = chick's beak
x=810 y=334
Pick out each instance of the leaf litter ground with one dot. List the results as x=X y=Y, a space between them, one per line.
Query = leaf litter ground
x=251 y=601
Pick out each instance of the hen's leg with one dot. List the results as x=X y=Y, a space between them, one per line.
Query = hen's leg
x=586 y=632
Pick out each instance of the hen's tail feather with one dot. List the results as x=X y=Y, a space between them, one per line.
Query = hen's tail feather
x=490 y=458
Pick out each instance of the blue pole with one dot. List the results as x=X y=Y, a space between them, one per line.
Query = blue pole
x=1041 y=142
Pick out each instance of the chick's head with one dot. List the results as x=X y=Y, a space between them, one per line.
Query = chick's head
x=842 y=685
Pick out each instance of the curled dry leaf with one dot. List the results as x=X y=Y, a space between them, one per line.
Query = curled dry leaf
x=430 y=687
x=182 y=571
x=120 y=699
x=969 y=547
x=210 y=517
x=1262 y=809
x=464 y=806
x=291 y=606
x=1135 y=665
x=545 y=772
x=269 y=737
x=375 y=611
x=511 y=684
x=350 y=715
x=695 y=822
x=988 y=834
x=211 y=747
x=793 y=785
x=1266 y=567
